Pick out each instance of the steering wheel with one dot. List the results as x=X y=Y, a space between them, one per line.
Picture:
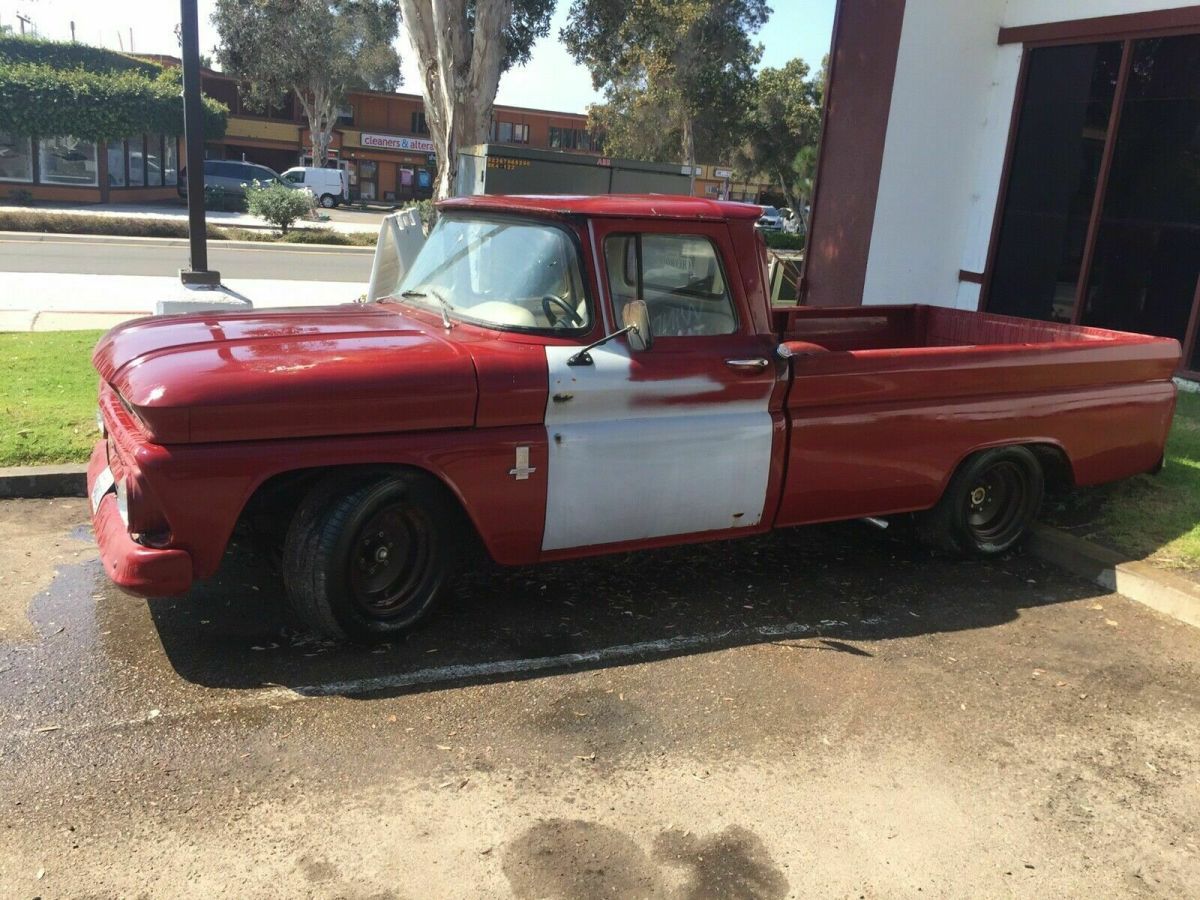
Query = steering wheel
x=549 y=300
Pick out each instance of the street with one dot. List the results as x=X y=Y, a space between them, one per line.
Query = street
x=819 y=712
x=132 y=256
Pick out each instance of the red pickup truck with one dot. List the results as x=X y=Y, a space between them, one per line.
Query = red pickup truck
x=555 y=377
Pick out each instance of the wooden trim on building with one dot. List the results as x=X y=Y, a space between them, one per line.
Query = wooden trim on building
x=970 y=277
x=1014 y=126
x=865 y=51
x=1143 y=24
x=1106 y=160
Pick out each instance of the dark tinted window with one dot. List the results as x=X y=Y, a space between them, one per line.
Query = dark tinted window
x=1147 y=256
x=1053 y=177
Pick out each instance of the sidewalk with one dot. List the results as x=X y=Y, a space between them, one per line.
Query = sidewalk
x=71 y=302
x=345 y=220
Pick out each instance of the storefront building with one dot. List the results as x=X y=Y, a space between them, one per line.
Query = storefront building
x=382 y=140
x=1038 y=158
x=59 y=143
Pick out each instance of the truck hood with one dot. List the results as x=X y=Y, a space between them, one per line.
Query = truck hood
x=349 y=369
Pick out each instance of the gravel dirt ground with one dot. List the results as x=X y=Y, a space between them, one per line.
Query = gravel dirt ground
x=818 y=713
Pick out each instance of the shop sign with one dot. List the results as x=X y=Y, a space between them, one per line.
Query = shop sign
x=722 y=173
x=395 y=142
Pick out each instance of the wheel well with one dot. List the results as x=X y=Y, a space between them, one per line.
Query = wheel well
x=273 y=503
x=1056 y=466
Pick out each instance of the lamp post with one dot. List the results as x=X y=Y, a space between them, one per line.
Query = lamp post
x=197 y=272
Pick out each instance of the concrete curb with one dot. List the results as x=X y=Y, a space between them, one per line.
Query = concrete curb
x=1147 y=584
x=43 y=481
x=51 y=236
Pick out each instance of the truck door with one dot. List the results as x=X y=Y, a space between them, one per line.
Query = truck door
x=675 y=439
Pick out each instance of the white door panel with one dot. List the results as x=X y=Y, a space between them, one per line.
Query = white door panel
x=634 y=458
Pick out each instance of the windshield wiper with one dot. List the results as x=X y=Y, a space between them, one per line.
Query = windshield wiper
x=446 y=305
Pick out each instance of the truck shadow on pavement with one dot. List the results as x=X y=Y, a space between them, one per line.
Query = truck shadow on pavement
x=839 y=588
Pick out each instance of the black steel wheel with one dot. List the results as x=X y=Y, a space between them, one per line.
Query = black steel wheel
x=367 y=558
x=989 y=504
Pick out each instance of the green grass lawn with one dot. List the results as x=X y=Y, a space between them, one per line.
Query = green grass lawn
x=1150 y=516
x=47 y=396
x=1159 y=515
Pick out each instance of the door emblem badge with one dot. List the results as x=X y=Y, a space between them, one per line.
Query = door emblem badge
x=523 y=469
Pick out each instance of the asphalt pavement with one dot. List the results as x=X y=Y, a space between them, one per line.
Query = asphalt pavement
x=72 y=255
x=826 y=712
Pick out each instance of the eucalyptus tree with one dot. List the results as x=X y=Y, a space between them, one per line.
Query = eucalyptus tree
x=317 y=49
x=675 y=73
x=462 y=48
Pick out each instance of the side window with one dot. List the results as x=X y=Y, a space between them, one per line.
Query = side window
x=294 y=177
x=678 y=276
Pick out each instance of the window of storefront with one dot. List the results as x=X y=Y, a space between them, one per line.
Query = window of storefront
x=419 y=125
x=16 y=157
x=116 y=163
x=1100 y=222
x=368 y=174
x=510 y=133
x=68 y=160
x=572 y=139
x=170 y=161
x=137 y=161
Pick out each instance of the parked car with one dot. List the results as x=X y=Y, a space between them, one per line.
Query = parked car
x=792 y=223
x=770 y=219
x=330 y=186
x=230 y=175
x=557 y=377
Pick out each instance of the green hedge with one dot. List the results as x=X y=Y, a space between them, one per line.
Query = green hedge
x=36 y=99
x=780 y=241
x=62 y=55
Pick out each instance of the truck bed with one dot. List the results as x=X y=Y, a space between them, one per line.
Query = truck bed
x=885 y=402
x=916 y=326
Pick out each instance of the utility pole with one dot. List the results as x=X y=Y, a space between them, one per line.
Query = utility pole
x=198 y=272
x=72 y=31
x=24 y=20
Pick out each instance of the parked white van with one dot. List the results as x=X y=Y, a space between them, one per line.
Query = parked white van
x=329 y=186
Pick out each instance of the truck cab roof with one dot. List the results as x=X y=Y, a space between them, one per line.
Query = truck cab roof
x=633 y=206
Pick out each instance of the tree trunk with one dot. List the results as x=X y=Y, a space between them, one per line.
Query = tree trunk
x=321 y=113
x=787 y=195
x=689 y=153
x=460 y=72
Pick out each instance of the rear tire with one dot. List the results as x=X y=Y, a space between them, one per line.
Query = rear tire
x=328 y=201
x=367 y=557
x=989 y=505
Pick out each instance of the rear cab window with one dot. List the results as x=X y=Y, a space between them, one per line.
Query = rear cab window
x=680 y=278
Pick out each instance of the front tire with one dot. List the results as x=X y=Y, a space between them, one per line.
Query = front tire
x=989 y=505
x=367 y=559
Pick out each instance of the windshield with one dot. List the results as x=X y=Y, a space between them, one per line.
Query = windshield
x=504 y=272
x=770 y=212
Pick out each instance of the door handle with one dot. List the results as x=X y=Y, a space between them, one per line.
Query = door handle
x=756 y=364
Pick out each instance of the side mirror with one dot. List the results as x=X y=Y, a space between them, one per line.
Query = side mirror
x=636 y=317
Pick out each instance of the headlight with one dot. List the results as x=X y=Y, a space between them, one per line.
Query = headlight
x=123 y=500
x=100 y=423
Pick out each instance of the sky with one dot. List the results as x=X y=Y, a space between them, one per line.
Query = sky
x=551 y=80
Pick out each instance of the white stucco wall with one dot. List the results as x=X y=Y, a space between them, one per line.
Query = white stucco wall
x=947 y=134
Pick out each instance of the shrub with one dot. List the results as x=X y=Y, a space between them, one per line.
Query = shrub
x=68 y=55
x=131 y=226
x=219 y=199
x=777 y=240
x=38 y=99
x=427 y=211
x=278 y=204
